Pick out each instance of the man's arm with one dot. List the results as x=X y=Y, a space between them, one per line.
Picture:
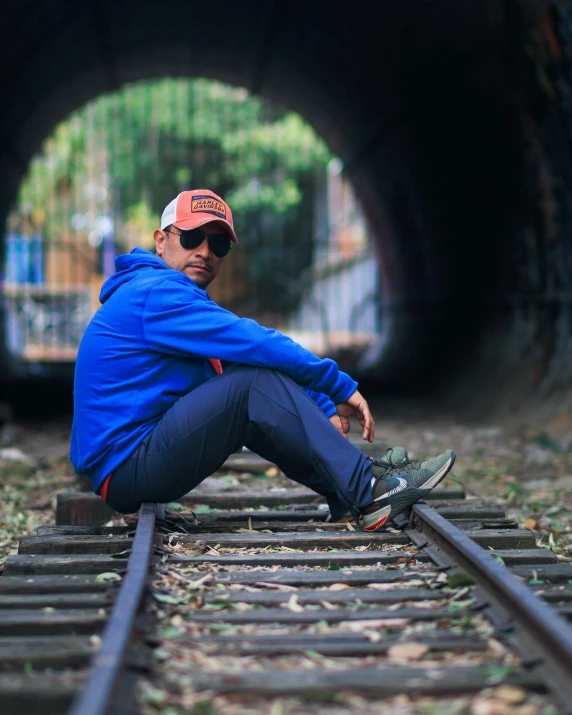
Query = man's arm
x=323 y=402
x=180 y=319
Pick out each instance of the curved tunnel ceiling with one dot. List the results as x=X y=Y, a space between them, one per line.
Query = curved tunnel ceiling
x=423 y=101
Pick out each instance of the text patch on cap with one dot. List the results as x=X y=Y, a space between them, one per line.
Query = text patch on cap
x=208 y=205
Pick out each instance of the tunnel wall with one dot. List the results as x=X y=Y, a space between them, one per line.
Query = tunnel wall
x=453 y=122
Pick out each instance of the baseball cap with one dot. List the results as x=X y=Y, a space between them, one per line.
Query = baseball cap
x=192 y=209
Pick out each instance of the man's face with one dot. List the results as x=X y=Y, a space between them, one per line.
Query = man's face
x=200 y=263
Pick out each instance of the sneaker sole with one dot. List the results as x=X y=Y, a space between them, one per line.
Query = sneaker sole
x=411 y=495
x=345 y=519
x=383 y=516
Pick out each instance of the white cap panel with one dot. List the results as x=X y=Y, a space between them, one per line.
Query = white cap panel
x=169 y=214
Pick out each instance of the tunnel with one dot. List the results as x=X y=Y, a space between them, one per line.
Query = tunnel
x=453 y=121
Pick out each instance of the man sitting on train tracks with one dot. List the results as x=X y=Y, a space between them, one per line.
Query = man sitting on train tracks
x=168 y=384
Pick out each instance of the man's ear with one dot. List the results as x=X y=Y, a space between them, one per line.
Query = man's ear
x=159 y=237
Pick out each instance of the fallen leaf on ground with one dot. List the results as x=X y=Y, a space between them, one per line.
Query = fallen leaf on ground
x=108 y=576
x=293 y=604
x=408 y=651
x=493 y=706
x=240 y=606
x=510 y=694
x=496 y=647
x=359 y=626
x=329 y=606
x=249 y=589
x=199 y=547
x=530 y=524
x=198 y=583
x=372 y=636
x=276 y=586
x=167 y=598
x=460 y=578
x=384 y=586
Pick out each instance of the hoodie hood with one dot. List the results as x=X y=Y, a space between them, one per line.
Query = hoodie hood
x=126 y=267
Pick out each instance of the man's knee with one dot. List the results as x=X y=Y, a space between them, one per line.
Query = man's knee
x=264 y=379
x=251 y=373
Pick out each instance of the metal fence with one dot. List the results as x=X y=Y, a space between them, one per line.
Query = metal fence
x=304 y=263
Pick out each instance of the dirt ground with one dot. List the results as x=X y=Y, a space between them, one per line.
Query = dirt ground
x=33 y=468
x=528 y=469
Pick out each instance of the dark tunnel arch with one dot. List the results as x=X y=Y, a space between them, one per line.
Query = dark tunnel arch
x=431 y=106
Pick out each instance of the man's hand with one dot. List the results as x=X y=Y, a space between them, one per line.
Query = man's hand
x=355 y=406
x=342 y=424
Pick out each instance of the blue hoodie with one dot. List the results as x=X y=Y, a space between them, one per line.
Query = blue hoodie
x=149 y=344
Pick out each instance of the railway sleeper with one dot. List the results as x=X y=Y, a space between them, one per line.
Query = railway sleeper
x=19 y=653
x=39 y=693
x=332 y=645
x=372 y=681
x=49 y=622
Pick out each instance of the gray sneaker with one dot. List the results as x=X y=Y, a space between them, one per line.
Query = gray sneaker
x=392 y=457
x=399 y=484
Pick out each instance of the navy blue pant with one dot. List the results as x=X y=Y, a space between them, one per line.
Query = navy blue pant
x=261 y=409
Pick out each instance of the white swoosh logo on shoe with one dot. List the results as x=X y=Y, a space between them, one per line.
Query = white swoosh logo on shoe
x=403 y=484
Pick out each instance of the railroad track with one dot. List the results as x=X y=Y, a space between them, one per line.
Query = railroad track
x=260 y=597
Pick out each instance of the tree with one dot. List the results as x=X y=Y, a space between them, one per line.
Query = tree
x=127 y=154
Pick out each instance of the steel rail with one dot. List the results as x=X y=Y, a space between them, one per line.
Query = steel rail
x=95 y=697
x=548 y=636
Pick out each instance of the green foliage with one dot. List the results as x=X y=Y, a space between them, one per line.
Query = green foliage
x=545 y=441
x=460 y=578
x=136 y=149
x=203 y=707
x=514 y=491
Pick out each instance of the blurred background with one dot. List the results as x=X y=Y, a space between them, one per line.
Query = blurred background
x=305 y=262
x=400 y=174
x=401 y=181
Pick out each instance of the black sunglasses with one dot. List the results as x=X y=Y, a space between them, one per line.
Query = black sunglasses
x=219 y=243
